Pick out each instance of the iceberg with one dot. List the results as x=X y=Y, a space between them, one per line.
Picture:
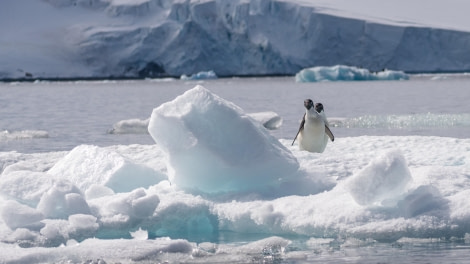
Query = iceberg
x=204 y=75
x=130 y=126
x=24 y=134
x=213 y=147
x=347 y=73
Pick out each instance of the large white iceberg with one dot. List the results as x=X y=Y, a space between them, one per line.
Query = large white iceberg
x=347 y=73
x=213 y=147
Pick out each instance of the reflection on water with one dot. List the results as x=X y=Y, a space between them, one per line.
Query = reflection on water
x=429 y=120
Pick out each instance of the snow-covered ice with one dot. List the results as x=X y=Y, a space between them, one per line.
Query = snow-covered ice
x=347 y=73
x=88 y=165
x=62 y=206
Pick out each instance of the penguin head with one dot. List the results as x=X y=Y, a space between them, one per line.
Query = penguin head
x=308 y=103
x=319 y=107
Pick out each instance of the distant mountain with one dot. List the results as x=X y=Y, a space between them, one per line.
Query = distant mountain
x=154 y=38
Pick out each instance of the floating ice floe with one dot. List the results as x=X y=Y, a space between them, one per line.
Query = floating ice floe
x=130 y=126
x=384 y=188
x=23 y=134
x=347 y=73
x=213 y=147
x=269 y=120
x=204 y=75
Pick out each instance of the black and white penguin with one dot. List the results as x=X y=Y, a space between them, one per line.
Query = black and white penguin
x=314 y=129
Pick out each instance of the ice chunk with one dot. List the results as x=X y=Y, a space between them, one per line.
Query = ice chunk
x=204 y=75
x=83 y=222
x=269 y=120
x=140 y=234
x=347 y=73
x=87 y=165
x=62 y=200
x=25 y=186
x=122 y=208
x=23 y=236
x=213 y=147
x=77 y=227
x=130 y=126
x=24 y=134
x=193 y=221
x=97 y=191
x=382 y=179
x=16 y=215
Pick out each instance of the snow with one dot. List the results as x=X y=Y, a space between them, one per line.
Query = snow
x=139 y=203
x=347 y=73
x=439 y=14
x=382 y=179
x=213 y=147
x=412 y=189
x=102 y=38
x=88 y=165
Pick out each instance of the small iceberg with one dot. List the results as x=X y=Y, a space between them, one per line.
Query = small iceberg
x=213 y=147
x=130 y=126
x=204 y=75
x=347 y=73
x=23 y=134
x=270 y=120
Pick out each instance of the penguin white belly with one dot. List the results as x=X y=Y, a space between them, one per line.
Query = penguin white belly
x=313 y=137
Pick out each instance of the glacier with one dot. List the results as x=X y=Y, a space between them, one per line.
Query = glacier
x=155 y=38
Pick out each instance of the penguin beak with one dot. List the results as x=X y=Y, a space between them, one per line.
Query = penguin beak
x=308 y=103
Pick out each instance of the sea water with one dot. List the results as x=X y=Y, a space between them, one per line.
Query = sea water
x=58 y=116
x=83 y=112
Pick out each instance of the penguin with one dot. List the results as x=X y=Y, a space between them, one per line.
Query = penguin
x=314 y=129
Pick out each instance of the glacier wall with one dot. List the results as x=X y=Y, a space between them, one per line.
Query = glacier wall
x=152 y=38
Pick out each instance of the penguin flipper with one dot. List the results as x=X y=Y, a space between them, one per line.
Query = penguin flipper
x=300 y=129
x=329 y=133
